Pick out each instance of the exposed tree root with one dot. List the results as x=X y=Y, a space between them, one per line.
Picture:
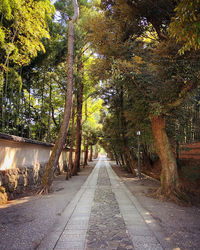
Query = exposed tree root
x=179 y=196
x=45 y=190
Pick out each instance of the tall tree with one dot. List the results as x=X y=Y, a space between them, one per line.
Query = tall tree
x=135 y=39
x=57 y=149
x=79 y=95
x=70 y=163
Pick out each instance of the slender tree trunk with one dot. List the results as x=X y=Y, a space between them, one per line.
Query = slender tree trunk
x=129 y=161
x=125 y=158
x=96 y=152
x=70 y=164
x=119 y=159
x=146 y=162
x=91 y=152
x=41 y=112
x=58 y=147
x=6 y=115
x=122 y=159
x=86 y=141
x=76 y=167
x=116 y=158
x=86 y=153
x=169 y=175
x=29 y=112
x=49 y=116
x=2 y=99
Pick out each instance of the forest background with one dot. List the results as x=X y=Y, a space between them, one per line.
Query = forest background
x=136 y=68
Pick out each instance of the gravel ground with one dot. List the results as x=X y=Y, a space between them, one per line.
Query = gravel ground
x=25 y=222
x=180 y=224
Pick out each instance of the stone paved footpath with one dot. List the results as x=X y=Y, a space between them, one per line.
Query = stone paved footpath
x=105 y=215
x=107 y=229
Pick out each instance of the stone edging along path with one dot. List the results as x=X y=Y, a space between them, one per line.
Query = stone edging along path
x=107 y=229
x=105 y=215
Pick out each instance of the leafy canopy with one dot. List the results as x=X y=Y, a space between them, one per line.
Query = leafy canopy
x=185 y=26
x=23 y=24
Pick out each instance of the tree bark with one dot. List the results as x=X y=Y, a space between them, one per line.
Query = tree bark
x=91 y=152
x=146 y=161
x=86 y=140
x=129 y=162
x=96 y=152
x=122 y=159
x=70 y=164
x=58 y=147
x=169 y=175
x=125 y=158
x=76 y=167
x=49 y=116
x=86 y=153
x=116 y=157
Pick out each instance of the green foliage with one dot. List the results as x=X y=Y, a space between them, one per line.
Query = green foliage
x=23 y=25
x=134 y=50
x=185 y=26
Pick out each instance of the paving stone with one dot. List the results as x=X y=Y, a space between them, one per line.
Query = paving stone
x=139 y=231
x=106 y=218
x=106 y=228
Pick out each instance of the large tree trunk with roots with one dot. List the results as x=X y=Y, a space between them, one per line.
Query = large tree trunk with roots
x=47 y=178
x=169 y=174
x=76 y=166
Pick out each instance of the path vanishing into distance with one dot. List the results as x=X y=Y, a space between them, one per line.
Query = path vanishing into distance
x=105 y=215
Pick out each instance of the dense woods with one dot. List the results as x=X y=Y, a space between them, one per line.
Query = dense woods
x=135 y=68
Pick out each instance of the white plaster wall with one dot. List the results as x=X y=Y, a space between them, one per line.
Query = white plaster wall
x=18 y=154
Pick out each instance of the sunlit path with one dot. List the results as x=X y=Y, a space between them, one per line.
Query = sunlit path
x=107 y=229
x=105 y=215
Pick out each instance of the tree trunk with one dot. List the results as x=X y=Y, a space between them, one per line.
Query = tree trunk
x=76 y=167
x=169 y=174
x=70 y=164
x=49 y=115
x=91 y=152
x=122 y=159
x=86 y=153
x=1 y=99
x=96 y=152
x=86 y=140
x=129 y=162
x=116 y=157
x=125 y=158
x=41 y=111
x=58 y=147
x=146 y=161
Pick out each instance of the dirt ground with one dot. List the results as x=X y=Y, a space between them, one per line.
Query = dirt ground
x=24 y=222
x=180 y=224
